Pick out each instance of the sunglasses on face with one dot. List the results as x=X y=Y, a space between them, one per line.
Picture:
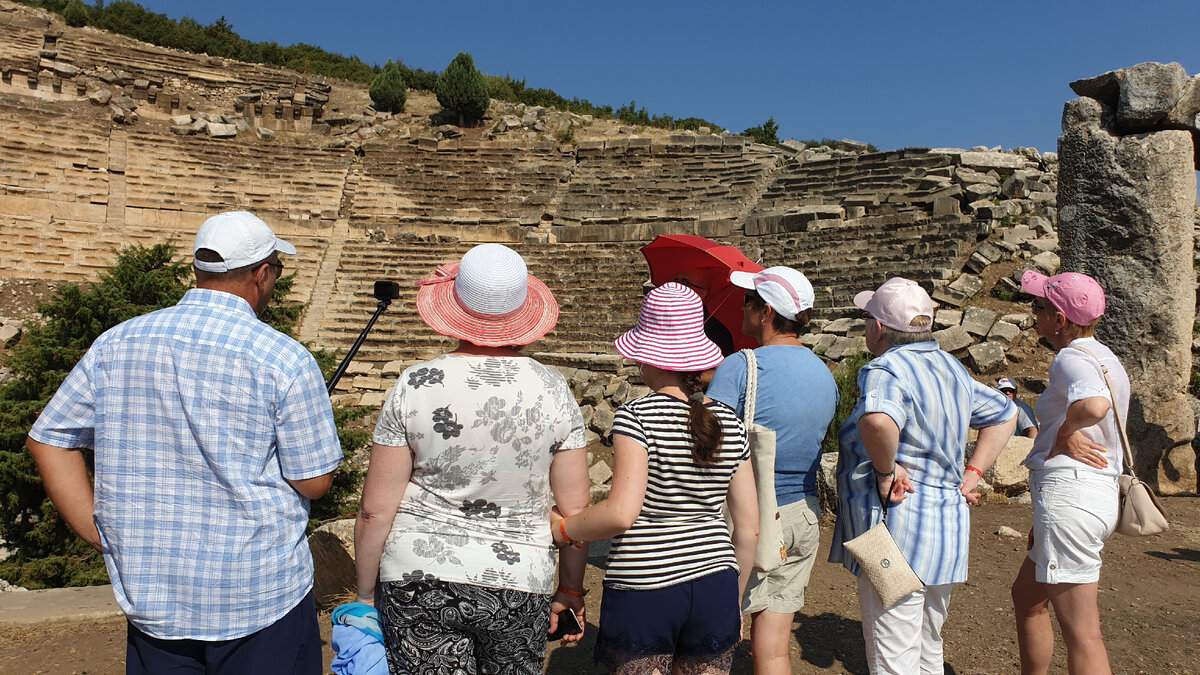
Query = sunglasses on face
x=277 y=265
x=752 y=297
x=1038 y=305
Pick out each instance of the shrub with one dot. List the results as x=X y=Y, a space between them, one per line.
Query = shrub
x=75 y=14
x=462 y=90
x=845 y=375
x=764 y=133
x=388 y=91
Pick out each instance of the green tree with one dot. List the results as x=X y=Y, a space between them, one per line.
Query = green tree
x=75 y=14
x=462 y=89
x=764 y=133
x=388 y=91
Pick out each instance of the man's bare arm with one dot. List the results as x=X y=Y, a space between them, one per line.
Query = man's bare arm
x=67 y=484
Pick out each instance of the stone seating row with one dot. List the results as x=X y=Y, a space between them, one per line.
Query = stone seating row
x=200 y=174
x=45 y=153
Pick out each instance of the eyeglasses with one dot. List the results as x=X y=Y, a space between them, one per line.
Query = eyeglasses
x=277 y=265
x=1037 y=305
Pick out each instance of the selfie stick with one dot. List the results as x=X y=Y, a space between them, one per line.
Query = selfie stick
x=385 y=292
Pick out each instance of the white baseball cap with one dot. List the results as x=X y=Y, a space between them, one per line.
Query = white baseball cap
x=787 y=291
x=240 y=238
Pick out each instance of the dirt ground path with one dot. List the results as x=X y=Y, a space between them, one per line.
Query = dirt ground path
x=1149 y=596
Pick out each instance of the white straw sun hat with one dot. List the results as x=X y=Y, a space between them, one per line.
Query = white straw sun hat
x=488 y=298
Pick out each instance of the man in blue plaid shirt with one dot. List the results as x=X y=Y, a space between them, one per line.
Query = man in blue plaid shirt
x=211 y=431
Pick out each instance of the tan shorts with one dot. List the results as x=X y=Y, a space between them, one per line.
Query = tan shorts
x=782 y=589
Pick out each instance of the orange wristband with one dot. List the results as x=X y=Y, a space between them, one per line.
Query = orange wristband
x=976 y=471
x=573 y=592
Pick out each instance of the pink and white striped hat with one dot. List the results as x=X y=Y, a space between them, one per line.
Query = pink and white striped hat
x=670 y=332
x=488 y=299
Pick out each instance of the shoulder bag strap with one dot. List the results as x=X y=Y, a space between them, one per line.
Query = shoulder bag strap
x=1112 y=396
x=751 y=387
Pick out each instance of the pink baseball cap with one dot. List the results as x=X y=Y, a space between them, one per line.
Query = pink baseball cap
x=670 y=332
x=896 y=303
x=1078 y=296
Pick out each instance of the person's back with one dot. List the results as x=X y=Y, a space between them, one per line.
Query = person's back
x=680 y=533
x=188 y=480
x=211 y=432
x=482 y=431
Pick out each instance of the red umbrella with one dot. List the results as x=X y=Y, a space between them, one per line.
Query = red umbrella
x=706 y=265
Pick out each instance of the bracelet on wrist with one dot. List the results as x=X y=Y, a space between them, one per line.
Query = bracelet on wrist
x=974 y=470
x=562 y=530
x=883 y=473
x=573 y=592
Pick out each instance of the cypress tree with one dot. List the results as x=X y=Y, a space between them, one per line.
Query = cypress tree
x=388 y=90
x=462 y=89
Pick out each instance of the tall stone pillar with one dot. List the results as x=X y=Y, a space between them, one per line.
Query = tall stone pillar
x=1126 y=203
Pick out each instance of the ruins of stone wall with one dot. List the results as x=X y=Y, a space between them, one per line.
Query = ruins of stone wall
x=1126 y=213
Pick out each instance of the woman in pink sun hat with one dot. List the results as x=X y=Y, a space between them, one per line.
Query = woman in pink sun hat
x=675 y=573
x=1073 y=468
x=470 y=451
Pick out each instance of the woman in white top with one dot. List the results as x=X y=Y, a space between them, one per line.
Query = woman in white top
x=471 y=448
x=1074 y=465
x=675 y=574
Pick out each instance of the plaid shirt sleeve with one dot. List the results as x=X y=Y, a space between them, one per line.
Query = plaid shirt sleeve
x=305 y=433
x=69 y=419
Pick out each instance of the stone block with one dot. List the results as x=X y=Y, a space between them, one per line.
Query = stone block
x=1021 y=320
x=597 y=494
x=180 y=120
x=986 y=161
x=602 y=420
x=370 y=383
x=958 y=291
x=373 y=399
x=846 y=346
x=1018 y=235
x=953 y=339
x=1043 y=245
x=332 y=547
x=600 y=473
x=10 y=333
x=976 y=264
x=993 y=252
x=1005 y=333
x=986 y=357
x=221 y=130
x=359 y=368
x=978 y=321
x=824 y=342
x=264 y=133
x=100 y=97
x=1006 y=474
x=1046 y=262
x=945 y=318
x=1148 y=92
x=839 y=326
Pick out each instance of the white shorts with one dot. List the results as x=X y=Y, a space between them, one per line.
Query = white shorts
x=1074 y=512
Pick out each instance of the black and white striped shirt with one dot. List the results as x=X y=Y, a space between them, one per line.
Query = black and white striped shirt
x=680 y=534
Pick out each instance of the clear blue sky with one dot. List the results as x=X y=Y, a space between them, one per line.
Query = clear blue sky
x=891 y=73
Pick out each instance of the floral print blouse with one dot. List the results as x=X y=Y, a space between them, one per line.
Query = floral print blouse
x=483 y=431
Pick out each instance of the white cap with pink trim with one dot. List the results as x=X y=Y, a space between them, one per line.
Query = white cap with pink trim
x=787 y=291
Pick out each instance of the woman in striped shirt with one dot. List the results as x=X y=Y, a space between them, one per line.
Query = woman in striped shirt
x=675 y=573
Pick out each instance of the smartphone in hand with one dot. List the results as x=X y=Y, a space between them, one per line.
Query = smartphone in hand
x=568 y=624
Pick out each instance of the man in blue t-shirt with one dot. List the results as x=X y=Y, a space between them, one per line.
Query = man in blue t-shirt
x=796 y=398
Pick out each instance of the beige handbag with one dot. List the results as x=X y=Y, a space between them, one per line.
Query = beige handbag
x=771 y=552
x=1139 y=513
x=880 y=559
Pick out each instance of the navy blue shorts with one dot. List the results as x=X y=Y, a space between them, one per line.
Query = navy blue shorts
x=688 y=624
x=291 y=645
